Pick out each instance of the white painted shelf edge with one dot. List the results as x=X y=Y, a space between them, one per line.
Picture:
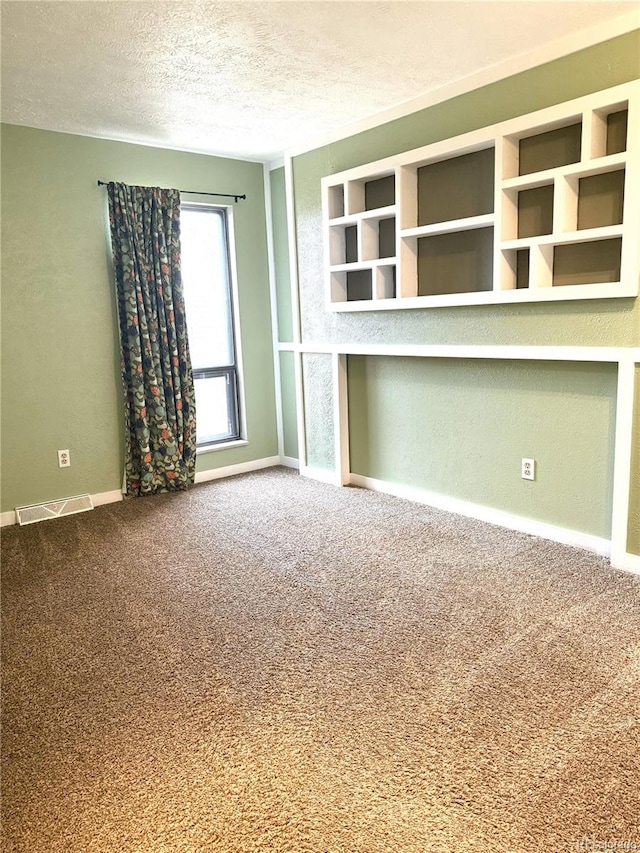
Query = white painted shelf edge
x=469 y=223
x=587 y=235
x=584 y=169
x=376 y=213
x=602 y=290
x=355 y=266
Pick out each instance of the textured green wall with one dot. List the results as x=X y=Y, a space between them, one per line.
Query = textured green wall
x=317 y=377
x=60 y=376
x=461 y=428
x=590 y=322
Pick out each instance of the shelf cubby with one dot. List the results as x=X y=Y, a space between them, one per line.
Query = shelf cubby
x=336 y=201
x=600 y=200
x=591 y=262
x=387 y=237
x=535 y=211
x=351 y=244
x=378 y=238
x=617 y=131
x=540 y=207
x=358 y=283
x=457 y=262
x=370 y=194
x=343 y=244
x=522 y=268
x=380 y=192
x=385 y=281
x=456 y=187
x=550 y=149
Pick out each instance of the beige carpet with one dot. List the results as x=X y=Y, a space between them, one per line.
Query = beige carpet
x=272 y=665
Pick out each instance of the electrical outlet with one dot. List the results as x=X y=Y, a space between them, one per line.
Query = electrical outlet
x=528 y=469
x=64 y=459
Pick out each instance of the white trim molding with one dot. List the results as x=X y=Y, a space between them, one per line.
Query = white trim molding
x=323 y=475
x=290 y=462
x=225 y=445
x=622 y=461
x=501 y=352
x=628 y=563
x=239 y=468
x=484 y=513
x=7 y=518
x=107 y=497
x=273 y=305
x=295 y=310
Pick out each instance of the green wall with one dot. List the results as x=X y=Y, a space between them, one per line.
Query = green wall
x=461 y=429
x=615 y=322
x=60 y=374
x=317 y=378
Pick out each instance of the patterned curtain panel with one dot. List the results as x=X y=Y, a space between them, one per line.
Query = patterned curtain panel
x=160 y=429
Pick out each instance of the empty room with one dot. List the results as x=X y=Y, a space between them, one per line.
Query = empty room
x=320 y=426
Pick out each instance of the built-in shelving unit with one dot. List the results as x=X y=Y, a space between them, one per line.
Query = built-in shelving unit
x=546 y=206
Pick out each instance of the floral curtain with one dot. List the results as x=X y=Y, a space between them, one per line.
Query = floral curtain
x=160 y=429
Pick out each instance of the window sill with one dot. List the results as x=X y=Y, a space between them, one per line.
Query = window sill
x=225 y=445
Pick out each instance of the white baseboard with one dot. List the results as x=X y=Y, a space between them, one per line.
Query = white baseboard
x=627 y=562
x=107 y=497
x=320 y=474
x=290 y=462
x=7 y=518
x=240 y=468
x=484 y=513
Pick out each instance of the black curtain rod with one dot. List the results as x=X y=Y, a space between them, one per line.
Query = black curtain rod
x=234 y=196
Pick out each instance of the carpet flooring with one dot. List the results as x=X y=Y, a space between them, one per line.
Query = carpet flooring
x=267 y=664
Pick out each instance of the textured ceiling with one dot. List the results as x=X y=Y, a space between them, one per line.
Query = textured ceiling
x=253 y=78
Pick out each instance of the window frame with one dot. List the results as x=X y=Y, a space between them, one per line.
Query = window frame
x=233 y=372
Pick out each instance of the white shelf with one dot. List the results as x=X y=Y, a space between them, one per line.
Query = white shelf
x=470 y=223
x=470 y=251
x=587 y=235
x=598 y=166
x=599 y=290
x=363 y=265
x=353 y=218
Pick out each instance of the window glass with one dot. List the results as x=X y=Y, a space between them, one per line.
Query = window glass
x=206 y=279
x=213 y=412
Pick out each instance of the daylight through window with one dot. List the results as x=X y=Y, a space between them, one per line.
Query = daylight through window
x=208 y=296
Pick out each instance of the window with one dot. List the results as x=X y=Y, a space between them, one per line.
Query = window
x=208 y=296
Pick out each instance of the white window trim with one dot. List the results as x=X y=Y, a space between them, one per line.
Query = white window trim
x=235 y=314
x=223 y=445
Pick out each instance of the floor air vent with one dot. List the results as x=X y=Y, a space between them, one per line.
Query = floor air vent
x=53 y=509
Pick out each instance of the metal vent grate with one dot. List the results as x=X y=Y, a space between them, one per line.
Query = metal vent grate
x=53 y=509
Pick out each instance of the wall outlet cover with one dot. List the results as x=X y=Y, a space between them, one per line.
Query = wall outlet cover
x=528 y=469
